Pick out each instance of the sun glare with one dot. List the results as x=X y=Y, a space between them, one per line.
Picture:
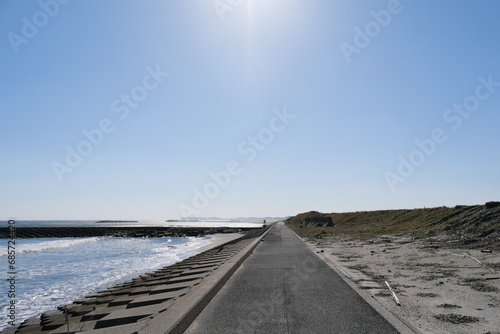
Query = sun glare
x=264 y=18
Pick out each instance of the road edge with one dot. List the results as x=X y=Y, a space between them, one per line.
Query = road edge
x=399 y=324
x=177 y=320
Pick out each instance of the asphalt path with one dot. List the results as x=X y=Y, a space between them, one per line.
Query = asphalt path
x=285 y=288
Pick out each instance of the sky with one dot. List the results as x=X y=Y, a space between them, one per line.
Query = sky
x=235 y=108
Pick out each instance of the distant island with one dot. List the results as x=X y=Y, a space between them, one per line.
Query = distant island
x=116 y=221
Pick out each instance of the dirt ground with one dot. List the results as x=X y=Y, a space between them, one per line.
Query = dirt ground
x=441 y=289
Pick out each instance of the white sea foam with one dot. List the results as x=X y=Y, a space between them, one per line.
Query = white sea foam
x=56 y=272
x=38 y=245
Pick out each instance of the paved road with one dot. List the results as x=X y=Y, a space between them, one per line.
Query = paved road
x=285 y=288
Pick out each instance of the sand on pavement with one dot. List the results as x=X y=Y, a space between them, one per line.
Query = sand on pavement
x=219 y=239
x=441 y=289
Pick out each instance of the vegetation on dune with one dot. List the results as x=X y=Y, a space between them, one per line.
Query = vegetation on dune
x=427 y=294
x=477 y=224
x=315 y=219
x=446 y=305
x=457 y=318
x=483 y=287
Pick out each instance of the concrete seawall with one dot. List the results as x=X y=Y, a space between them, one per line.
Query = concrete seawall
x=284 y=287
x=164 y=301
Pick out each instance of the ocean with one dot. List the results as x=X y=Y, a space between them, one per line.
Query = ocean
x=55 y=271
x=141 y=223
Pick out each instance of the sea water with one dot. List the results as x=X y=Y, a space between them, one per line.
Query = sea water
x=56 y=271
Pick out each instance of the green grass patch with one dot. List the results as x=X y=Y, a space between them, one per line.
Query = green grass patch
x=349 y=258
x=457 y=318
x=359 y=267
x=446 y=305
x=377 y=278
x=427 y=294
x=472 y=279
x=483 y=287
x=439 y=274
x=424 y=264
x=493 y=265
x=447 y=273
x=354 y=256
x=383 y=294
x=317 y=234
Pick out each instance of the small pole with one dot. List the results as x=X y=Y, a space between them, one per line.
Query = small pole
x=478 y=261
x=66 y=320
x=393 y=293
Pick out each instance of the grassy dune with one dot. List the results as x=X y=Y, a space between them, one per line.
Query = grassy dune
x=477 y=225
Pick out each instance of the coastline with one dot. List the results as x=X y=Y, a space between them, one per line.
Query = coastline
x=213 y=240
x=140 y=302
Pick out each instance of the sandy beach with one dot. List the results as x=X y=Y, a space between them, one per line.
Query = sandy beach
x=441 y=289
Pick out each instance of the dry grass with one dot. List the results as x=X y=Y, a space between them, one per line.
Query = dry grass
x=469 y=224
x=427 y=294
x=457 y=318
x=446 y=305
x=483 y=287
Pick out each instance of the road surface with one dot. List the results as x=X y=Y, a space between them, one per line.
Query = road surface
x=285 y=288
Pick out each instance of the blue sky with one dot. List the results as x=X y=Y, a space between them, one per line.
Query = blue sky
x=162 y=109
